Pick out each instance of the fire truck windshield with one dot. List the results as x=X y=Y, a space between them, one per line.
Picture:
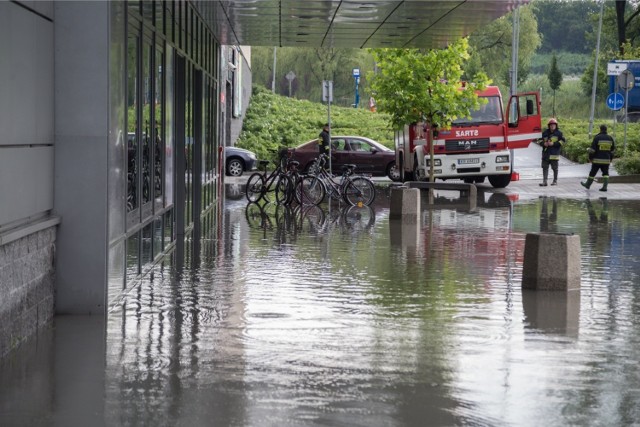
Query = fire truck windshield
x=491 y=112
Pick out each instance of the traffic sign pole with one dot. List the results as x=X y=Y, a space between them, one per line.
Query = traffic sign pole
x=626 y=79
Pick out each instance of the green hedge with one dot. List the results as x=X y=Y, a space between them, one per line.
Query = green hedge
x=576 y=133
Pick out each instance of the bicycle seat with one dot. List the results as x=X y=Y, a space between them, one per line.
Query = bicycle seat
x=263 y=162
x=350 y=167
x=294 y=163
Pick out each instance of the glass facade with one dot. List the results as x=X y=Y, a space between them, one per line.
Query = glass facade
x=164 y=175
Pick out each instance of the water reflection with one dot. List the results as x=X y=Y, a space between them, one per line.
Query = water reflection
x=332 y=316
x=552 y=311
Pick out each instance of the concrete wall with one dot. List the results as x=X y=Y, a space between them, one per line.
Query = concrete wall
x=234 y=124
x=26 y=287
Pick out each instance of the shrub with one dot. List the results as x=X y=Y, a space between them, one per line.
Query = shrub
x=628 y=165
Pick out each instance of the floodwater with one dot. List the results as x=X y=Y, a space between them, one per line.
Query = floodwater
x=330 y=317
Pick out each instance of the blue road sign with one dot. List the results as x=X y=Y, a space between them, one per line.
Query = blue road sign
x=615 y=101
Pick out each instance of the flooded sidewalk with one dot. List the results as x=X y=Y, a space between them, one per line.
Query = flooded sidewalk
x=334 y=316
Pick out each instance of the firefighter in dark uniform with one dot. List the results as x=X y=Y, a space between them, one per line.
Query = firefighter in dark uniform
x=551 y=142
x=600 y=156
x=324 y=140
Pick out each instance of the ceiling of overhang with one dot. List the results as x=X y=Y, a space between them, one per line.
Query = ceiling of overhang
x=349 y=23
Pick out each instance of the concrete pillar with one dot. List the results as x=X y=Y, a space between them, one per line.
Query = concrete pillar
x=405 y=205
x=551 y=262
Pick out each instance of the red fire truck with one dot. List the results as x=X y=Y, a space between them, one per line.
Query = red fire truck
x=473 y=148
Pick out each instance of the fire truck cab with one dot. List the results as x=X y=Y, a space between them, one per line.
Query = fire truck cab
x=475 y=147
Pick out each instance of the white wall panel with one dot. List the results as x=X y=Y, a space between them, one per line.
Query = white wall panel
x=26 y=182
x=26 y=73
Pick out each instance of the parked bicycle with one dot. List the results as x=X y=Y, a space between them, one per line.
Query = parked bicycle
x=352 y=188
x=278 y=182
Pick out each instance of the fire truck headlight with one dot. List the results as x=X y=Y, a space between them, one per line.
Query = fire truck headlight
x=502 y=159
x=436 y=162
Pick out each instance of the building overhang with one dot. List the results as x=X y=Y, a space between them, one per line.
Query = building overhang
x=349 y=23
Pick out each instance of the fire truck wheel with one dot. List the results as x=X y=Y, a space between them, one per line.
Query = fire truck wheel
x=500 y=181
x=404 y=175
x=416 y=174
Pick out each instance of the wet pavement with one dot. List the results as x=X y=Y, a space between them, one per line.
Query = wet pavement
x=335 y=316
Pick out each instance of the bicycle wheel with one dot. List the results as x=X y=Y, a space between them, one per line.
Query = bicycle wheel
x=284 y=190
x=255 y=187
x=359 y=191
x=310 y=190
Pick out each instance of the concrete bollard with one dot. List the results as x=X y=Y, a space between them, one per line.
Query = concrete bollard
x=551 y=262
x=405 y=205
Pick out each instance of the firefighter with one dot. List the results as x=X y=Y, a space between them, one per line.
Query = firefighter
x=324 y=140
x=600 y=156
x=551 y=142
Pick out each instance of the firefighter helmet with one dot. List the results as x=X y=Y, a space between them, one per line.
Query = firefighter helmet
x=552 y=122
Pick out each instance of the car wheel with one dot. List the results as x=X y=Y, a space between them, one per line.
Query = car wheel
x=393 y=172
x=235 y=167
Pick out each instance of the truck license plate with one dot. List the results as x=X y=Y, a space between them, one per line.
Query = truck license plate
x=468 y=161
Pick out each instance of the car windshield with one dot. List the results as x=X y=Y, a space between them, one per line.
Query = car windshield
x=491 y=112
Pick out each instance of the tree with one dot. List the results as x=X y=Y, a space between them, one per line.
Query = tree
x=563 y=26
x=414 y=86
x=311 y=66
x=490 y=47
x=555 y=79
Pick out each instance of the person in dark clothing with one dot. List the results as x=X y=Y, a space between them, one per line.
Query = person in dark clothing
x=324 y=140
x=600 y=156
x=551 y=142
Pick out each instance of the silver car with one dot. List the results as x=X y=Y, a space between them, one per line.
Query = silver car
x=238 y=160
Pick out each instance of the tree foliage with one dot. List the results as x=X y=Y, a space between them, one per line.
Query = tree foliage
x=490 y=47
x=311 y=66
x=555 y=79
x=555 y=75
x=413 y=85
x=619 y=40
x=563 y=24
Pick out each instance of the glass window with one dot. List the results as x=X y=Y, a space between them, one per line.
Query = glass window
x=491 y=112
x=169 y=147
x=147 y=117
x=189 y=141
x=159 y=150
x=132 y=122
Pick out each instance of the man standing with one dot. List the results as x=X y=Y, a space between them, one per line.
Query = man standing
x=324 y=140
x=600 y=156
x=552 y=140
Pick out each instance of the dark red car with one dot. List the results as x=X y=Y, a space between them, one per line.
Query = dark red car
x=369 y=156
